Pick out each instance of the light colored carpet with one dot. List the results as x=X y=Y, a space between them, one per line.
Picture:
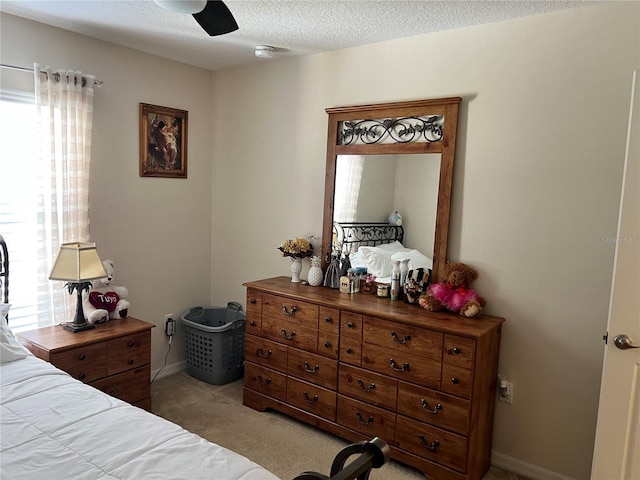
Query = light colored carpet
x=282 y=445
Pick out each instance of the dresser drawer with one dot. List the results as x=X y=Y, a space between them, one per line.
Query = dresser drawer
x=402 y=366
x=459 y=351
x=290 y=333
x=433 y=443
x=128 y=352
x=265 y=352
x=265 y=380
x=328 y=344
x=367 y=386
x=329 y=320
x=457 y=381
x=86 y=363
x=405 y=338
x=313 y=368
x=294 y=311
x=312 y=398
x=351 y=351
x=254 y=313
x=433 y=407
x=363 y=418
x=131 y=386
x=351 y=325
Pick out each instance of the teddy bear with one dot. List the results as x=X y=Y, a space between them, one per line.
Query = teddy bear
x=453 y=292
x=105 y=301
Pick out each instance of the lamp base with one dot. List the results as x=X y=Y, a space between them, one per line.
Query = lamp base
x=75 y=328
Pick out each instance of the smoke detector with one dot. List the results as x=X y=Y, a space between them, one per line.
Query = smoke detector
x=265 y=51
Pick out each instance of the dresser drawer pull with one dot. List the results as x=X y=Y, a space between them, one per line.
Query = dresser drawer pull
x=396 y=338
x=348 y=350
x=351 y=325
x=81 y=356
x=288 y=337
x=264 y=355
x=366 y=389
x=130 y=344
x=310 y=400
x=252 y=323
x=82 y=376
x=425 y=405
x=328 y=319
x=130 y=362
x=263 y=382
x=252 y=301
x=287 y=312
x=327 y=344
x=431 y=446
x=363 y=421
x=309 y=370
x=405 y=365
x=455 y=381
x=456 y=350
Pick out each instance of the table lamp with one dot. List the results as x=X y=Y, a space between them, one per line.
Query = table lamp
x=78 y=263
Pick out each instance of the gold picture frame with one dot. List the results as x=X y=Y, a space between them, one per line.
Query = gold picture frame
x=163 y=141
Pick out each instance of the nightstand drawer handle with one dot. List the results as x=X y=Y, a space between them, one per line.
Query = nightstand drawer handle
x=405 y=365
x=129 y=362
x=82 y=376
x=264 y=355
x=396 y=338
x=362 y=421
x=82 y=357
x=366 y=389
x=425 y=405
x=288 y=337
x=310 y=400
x=431 y=446
x=130 y=344
x=311 y=370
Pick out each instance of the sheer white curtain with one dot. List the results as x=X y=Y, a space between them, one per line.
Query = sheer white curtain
x=348 y=178
x=64 y=109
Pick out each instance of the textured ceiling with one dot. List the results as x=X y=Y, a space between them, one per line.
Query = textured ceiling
x=293 y=27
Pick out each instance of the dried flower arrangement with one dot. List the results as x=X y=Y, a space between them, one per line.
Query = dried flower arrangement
x=296 y=248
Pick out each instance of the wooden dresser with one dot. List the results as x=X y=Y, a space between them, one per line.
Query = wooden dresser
x=115 y=357
x=360 y=366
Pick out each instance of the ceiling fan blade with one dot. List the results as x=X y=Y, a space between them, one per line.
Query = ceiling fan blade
x=216 y=18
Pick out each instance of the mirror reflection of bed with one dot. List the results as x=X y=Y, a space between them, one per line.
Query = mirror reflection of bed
x=368 y=188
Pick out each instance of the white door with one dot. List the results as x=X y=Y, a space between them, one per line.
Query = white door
x=617 y=446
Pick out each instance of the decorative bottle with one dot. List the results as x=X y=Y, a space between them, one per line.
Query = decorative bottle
x=395 y=280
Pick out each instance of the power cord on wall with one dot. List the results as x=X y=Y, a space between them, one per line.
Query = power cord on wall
x=169 y=330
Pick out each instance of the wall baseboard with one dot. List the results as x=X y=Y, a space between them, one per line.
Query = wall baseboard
x=528 y=470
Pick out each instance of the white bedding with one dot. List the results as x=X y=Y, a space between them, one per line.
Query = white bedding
x=56 y=427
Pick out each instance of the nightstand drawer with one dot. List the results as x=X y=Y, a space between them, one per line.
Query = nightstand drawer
x=131 y=386
x=86 y=363
x=128 y=352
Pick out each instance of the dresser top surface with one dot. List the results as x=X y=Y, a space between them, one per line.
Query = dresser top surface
x=56 y=339
x=378 y=307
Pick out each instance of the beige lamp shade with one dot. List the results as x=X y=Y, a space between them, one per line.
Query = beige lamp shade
x=78 y=262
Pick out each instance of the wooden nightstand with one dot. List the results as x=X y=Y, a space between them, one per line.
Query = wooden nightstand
x=115 y=357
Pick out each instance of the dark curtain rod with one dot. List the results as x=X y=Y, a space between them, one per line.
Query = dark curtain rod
x=97 y=83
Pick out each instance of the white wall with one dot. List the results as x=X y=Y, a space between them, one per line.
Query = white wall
x=536 y=188
x=158 y=231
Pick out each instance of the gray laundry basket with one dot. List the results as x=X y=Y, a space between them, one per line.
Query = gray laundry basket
x=215 y=342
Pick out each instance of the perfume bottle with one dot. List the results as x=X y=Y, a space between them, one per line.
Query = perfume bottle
x=395 y=280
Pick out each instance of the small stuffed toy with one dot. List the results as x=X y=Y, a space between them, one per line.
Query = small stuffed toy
x=453 y=293
x=105 y=301
x=395 y=218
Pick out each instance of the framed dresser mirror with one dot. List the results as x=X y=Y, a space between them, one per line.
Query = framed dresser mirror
x=402 y=154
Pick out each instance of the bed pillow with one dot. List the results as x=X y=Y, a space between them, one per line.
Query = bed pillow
x=10 y=348
x=356 y=259
x=393 y=247
x=377 y=260
x=416 y=259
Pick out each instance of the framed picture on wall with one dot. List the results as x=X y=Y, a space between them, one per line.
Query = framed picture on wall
x=163 y=141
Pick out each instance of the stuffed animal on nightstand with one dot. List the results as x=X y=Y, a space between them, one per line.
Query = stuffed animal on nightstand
x=453 y=292
x=105 y=301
